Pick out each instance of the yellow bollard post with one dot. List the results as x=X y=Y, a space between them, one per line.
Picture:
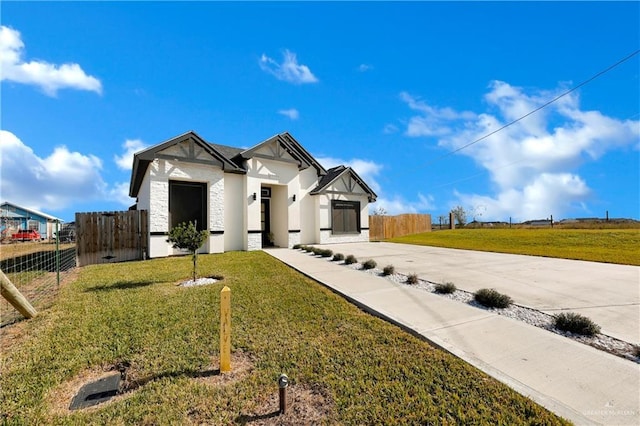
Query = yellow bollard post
x=225 y=329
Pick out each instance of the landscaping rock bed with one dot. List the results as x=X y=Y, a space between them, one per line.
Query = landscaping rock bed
x=200 y=281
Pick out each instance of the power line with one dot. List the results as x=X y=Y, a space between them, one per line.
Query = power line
x=587 y=81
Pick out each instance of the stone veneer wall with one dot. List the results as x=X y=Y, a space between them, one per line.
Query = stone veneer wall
x=294 y=238
x=326 y=237
x=254 y=241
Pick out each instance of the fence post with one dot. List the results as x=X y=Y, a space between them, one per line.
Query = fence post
x=13 y=296
x=225 y=329
x=58 y=253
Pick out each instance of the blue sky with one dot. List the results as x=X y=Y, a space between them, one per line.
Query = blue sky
x=388 y=88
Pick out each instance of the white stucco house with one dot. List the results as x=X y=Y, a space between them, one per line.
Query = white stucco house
x=274 y=193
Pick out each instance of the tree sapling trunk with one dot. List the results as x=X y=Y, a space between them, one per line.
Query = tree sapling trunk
x=186 y=236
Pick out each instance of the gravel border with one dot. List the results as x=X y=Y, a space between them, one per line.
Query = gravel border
x=198 y=282
x=530 y=316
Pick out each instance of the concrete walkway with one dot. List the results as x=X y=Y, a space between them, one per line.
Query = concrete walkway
x=576 y=381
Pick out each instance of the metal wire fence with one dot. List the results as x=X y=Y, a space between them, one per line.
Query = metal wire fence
x=37 y=270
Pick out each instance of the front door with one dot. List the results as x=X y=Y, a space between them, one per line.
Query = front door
x=265 y=222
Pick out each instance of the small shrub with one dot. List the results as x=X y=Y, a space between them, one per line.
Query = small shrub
x=388 y=270
x=326 y=253
x=350 y=259
x=576 y=323
x=338 y=257
x=492 y=299
x=297 y=246
x=317 y=251
x=412 y=279
x=369 y=264
x=304 y=248
x=186 y=236
x=446 y=288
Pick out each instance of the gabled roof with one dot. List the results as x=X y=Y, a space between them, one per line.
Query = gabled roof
x=142 y=159
x=292 y=147
x=336 y=173
x=232 y=160
x=229 y=151
x=36 y=212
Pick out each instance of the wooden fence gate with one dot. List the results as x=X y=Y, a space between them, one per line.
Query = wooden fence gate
x=105 y=237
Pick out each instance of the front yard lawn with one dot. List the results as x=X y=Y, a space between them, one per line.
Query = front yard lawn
x=620 y=246
x=132 y=316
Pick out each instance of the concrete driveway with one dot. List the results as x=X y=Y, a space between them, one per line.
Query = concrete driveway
x=608 y=294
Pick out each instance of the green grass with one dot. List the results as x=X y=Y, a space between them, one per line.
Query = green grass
x=620 y=246
x=134 y=313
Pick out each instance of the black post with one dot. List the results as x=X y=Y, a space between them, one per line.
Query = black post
x=283 y=400
x=58 y=253
x=283 y=382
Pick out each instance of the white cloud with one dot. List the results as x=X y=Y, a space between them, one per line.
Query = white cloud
x=289 y=70
x=398 y=205
x=120 y=194
x=366 y=169
x=51 y=183
x=545 y=195
x=431 y=121
x=389 y=129
x=365 y=67
x=49 y=77
x=292 y=113
x=130 y=146
x=533 y=163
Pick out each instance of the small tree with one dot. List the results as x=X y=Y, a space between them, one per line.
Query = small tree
x=379 y=211
x=476 y=212
x=460 y=215
x=186 y=236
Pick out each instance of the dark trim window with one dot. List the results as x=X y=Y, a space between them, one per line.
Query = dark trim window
x=188 y=203
x=345 y=217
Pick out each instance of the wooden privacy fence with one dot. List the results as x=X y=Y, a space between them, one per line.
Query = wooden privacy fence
x=104 y=237
x=383 y=227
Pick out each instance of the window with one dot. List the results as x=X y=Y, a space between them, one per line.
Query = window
x=188 y=203
x=345 y=217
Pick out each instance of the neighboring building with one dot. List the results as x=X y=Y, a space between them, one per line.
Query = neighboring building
x=539 y=222
x=14 y=218
x=274 y=193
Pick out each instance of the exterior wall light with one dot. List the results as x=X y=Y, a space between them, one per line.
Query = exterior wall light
x=294 y=197
x=255 y=197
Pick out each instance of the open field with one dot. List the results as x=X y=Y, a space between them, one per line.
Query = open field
x=358 y=369
x=8 y=251
x=620 y=246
